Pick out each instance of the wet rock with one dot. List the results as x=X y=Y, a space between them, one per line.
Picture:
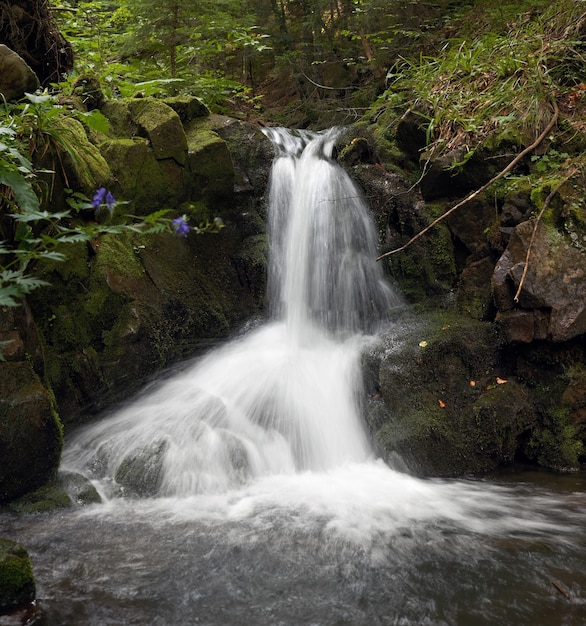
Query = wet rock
x=440 y=399
x=140 y=473
x=80 y=490
x=30 y=431
x=17 y=583
x=16 y=77
x=474 y=292
x=552 y=301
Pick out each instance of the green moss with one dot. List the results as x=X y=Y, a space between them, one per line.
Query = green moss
x=47 y=498
x=139 y=176
x=426 y=268
x=555 y=445
x=116 y=253
x=17 y=583
x=83 y=160
x=187 y=107
x=210 y=163
x=161 y=125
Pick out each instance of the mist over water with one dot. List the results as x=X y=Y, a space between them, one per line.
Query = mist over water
x=244 y=488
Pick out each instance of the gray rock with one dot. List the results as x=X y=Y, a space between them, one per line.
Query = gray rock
x=552 y=301
x=16 y=77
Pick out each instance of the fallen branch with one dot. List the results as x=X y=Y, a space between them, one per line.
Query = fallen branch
x=534 y=233
x=472 y=195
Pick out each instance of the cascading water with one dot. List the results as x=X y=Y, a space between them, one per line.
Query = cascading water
x=253 y=495
x=283 y=398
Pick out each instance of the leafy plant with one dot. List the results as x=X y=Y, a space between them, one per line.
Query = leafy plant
x=28 y=232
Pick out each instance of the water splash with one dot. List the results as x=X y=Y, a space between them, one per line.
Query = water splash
x=284 y=398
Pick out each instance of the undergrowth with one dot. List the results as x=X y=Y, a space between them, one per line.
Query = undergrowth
x=497 y=83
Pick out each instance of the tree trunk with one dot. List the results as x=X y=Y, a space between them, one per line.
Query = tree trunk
x=28 y=28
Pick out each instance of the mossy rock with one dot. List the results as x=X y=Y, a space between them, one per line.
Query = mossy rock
x=147 y=183
x=87 y=170
x=161 y=125
x=47 y=498
x=440 y=406
x=30 y=431
x=210 y=163
x=118 y=115
x=17 y=582
x=188 y=108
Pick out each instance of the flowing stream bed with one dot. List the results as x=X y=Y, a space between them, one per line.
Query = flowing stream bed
x=243 y=489
x=359 y=545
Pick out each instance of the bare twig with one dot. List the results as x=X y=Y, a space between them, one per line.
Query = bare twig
x=472 y=195
x=561 y=589
x=546 y=202
x=326 y=87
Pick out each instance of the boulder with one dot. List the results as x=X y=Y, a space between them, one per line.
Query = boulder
x=552 y=301
x=440 y=400
x=16 y=77
x=17 y=583
x=30 y=431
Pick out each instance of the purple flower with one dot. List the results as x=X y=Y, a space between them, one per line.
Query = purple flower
x=180 y=226
x=98 y=197
x=110 y=201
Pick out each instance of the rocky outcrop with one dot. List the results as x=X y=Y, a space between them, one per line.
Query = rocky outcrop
x=16 y=77
x=126 y=305
x=440 y=400
x=552 y=301
x=147 y=301
x=449 y=417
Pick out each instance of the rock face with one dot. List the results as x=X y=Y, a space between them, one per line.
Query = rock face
x=16 y=77
x=30 y=432
x=148 y=301
x=439 y=399
x=437 y=408
x=552 y=301
x=128 y=305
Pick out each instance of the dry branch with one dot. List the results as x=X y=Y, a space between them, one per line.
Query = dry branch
x=472 y=195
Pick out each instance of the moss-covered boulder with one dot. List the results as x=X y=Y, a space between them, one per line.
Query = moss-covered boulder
x=147 y=183
x=30 y=431
x=187 y=107
x=17 y=582
x=161 y=125
x=86 y=169
x=210 y=163
x=440 y=399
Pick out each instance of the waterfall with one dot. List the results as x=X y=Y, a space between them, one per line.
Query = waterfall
x=255 y=495
x=284 y=398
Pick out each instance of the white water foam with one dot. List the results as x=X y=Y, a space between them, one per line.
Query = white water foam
x=269 y=425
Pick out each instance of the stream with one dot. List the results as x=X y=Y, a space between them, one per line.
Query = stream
x=242 y=488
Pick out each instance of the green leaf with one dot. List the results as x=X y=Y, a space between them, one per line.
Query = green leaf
x=21 y=188
x=35 y=216
x=95 y=120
